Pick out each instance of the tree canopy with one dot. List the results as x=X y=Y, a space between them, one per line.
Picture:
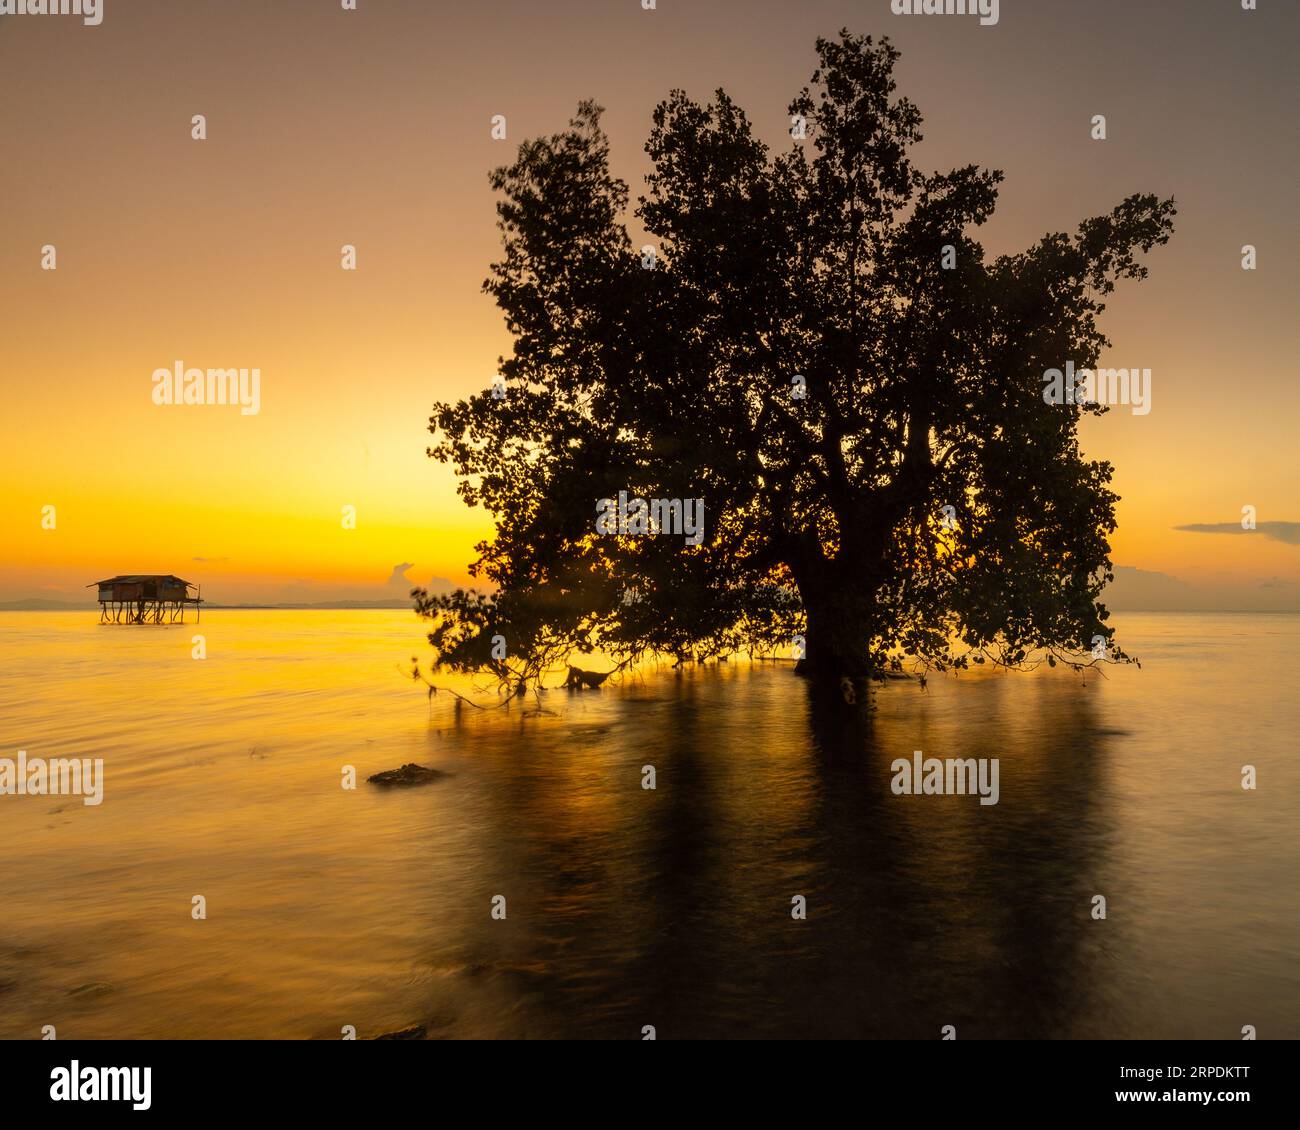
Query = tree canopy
x=820 y=350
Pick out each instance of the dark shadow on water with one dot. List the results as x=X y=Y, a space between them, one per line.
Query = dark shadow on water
x=672 y=907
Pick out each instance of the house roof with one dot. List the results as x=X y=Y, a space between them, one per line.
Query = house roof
x=135 y=578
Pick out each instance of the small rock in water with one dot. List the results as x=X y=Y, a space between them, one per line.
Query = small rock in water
x=408 y=774
x=415 y=1033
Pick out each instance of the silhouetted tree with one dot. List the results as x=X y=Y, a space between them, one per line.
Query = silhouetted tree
x=836 y=269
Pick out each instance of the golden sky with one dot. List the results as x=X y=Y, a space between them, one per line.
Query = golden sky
x=372 y=127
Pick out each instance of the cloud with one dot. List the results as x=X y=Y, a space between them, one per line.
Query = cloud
x=210 y=560
x=399 y=581
x=1288 y=532
x=1136 y=589
x=1141 y=590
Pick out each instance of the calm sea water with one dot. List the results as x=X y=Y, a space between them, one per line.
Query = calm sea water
x=628 y=907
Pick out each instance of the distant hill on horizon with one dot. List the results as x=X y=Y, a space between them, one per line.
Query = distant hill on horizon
x=1133 y=590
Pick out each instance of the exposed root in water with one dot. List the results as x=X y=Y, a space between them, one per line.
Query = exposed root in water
x=580 y=679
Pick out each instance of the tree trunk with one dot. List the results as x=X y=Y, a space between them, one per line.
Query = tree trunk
x=838 y=636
